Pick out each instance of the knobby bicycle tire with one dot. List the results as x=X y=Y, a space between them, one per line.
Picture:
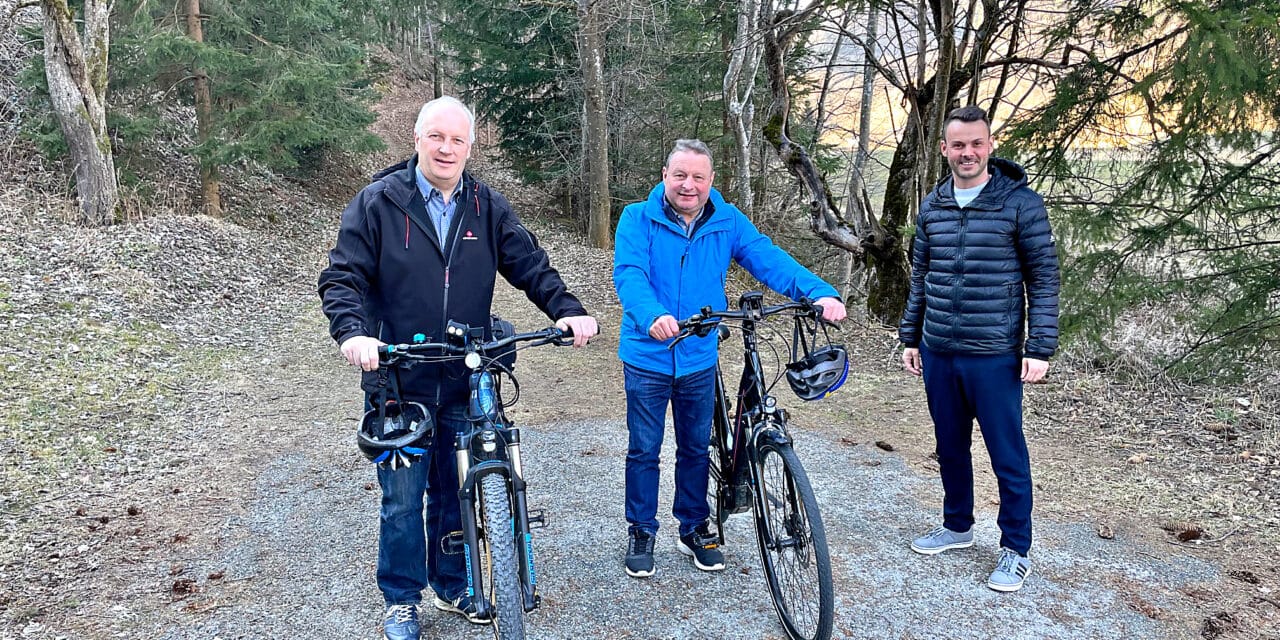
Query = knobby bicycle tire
x=504 y=588
x=793 y=545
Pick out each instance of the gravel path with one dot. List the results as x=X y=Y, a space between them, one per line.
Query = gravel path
x=298 y=558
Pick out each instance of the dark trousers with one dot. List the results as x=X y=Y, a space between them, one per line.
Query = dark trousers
x=692 y=400
x=988 y=388
x=410 y=557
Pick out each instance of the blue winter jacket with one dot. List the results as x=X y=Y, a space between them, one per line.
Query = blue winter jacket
x=984 y=278
x=658 y=271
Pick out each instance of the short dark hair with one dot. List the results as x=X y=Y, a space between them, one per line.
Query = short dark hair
x=971 y=113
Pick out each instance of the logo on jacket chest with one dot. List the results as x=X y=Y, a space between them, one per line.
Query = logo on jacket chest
x=469 y=235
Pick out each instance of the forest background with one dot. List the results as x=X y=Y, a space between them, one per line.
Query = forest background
x=1149 y=126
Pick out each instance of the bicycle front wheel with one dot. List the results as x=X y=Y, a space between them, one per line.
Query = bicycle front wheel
x=793 y=545
x=504 y=585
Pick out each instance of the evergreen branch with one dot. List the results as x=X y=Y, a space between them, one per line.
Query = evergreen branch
x=1244 y=245
x=1205 y=339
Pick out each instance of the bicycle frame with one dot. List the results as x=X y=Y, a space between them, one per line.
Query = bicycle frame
x=490 y=445
x=757 y=416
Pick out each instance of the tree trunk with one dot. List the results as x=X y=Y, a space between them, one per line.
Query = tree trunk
x=595 y=134
x=739 y=85
x=77 y=77
x=946 y=61
x=857 y=201
x=824 y=216
x=209 y=175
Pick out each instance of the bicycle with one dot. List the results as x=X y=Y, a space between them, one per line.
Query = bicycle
x=754 y=466
x=496 y=535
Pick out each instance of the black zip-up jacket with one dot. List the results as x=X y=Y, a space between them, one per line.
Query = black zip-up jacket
x=390 y=277
x=981 y=273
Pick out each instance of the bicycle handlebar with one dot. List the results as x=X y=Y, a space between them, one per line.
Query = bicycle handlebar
x=388 y=353
x=700 y=324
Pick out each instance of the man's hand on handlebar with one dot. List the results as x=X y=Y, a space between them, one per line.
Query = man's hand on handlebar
x=582 y=327
x=664 y=328
x=832 y=309
x=362 y=351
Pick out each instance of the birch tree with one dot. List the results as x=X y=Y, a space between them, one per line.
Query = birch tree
x=76 y=71
x=739 y=87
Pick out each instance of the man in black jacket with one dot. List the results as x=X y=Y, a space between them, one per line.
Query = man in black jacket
x=420 y=246
x=981 y=320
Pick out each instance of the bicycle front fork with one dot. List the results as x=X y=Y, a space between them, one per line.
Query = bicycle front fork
x=467 y=540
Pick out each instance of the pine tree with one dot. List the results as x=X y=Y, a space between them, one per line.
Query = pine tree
x=286 y=79
x=1174 y=220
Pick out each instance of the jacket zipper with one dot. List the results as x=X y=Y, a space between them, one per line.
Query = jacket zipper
x=958 y=288
x=448 y=264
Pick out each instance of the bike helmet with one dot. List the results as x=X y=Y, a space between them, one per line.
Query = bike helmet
x=820 y=372
x=396 y=435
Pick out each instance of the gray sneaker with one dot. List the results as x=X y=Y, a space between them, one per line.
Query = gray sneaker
x=940 y=539
x=1011 y=571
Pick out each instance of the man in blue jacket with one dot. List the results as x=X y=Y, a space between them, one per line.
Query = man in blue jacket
x=981 y=320
x=420 y=246
x=671 y=257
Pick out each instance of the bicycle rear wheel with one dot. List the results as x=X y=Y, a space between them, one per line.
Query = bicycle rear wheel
x=504 y=585
x=793 y=545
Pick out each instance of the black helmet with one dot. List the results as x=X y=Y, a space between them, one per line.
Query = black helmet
x=820 y=372
x=399 y=434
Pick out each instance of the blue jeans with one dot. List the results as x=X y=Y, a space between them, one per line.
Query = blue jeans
x=410 y=557
x=692 y=399
x=961 y=388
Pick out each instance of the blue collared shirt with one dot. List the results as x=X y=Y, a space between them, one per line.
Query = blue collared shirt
x=687 y=227
x=440 y=213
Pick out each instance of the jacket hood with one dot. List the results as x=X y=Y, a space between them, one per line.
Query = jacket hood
x=1007 y=176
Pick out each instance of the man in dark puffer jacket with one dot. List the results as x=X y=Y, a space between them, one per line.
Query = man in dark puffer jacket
x=981 y=320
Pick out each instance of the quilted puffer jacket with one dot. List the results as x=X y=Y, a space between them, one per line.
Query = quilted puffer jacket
x=984 y=278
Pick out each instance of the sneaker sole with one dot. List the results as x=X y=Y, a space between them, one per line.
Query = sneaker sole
x=640 y=574
x=932 y=551
x=1008 y=588
x=689 y=552
x=448 y=607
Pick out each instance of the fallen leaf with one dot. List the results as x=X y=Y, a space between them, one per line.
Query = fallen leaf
x=183 y=587
x=1184 y=531
x=884 y=445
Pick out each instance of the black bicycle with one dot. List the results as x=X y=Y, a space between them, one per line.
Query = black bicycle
x=753 y=465
x=496 y=523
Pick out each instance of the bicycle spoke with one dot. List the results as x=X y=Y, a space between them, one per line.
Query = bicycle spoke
x=793 y=546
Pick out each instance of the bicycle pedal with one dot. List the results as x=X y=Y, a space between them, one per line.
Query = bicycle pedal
x=537 y=519
x=452 y=543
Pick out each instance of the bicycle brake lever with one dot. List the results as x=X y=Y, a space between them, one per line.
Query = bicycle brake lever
x=677 y=340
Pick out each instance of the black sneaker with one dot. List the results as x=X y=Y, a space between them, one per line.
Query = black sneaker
x=464 y=606
x=640 y=554
x=401 y=623
x=704 y=547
